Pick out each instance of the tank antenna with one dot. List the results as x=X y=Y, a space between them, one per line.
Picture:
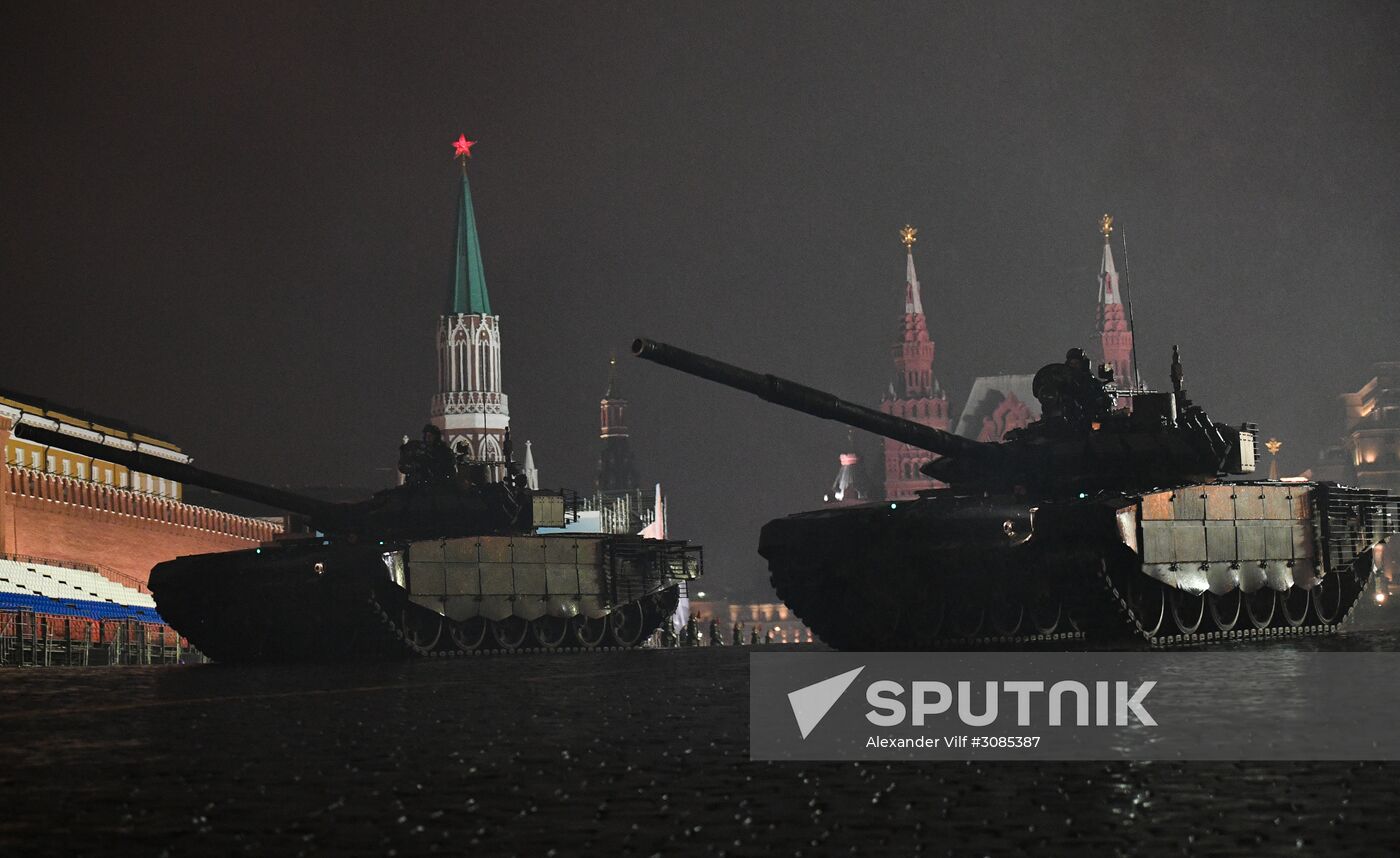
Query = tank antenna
x=1132 y=332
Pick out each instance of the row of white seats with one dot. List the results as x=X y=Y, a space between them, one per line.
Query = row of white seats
x=59 y=582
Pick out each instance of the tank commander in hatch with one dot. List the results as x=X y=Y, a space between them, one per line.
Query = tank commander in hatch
x=427 y=461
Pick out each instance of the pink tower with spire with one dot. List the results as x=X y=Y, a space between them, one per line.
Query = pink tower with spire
x=1113 y=335
x=914 y=394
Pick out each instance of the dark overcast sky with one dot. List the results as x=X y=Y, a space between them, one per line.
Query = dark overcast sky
x=234 y=223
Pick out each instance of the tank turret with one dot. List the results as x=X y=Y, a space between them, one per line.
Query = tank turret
x=1081 y=443
x=1107 y=520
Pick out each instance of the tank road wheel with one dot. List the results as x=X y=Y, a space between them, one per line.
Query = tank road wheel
x=468 y=634
x=1045 y=612
x=871 y=620
x=926 y=619
x=658 y=606
x=1327 y=598
x=1293 y=606
x=510 y=633
x=626 y=625
x=1225 y=609
x=1147 y=599
x=1188 y=611
x=421 y=627
x=549 y=632
x=1005 y=615
x=589 y=632
x=966 y=616
x=1259 y=607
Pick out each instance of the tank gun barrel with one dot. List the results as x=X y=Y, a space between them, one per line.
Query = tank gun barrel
x=809 y=400
x=320 y=512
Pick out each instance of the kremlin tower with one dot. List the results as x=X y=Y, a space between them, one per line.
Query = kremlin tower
x=617 y=472
x=914 y=394
x=1113 y=335
x=469 y=408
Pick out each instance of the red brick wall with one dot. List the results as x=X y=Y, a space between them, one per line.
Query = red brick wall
x=50 y=516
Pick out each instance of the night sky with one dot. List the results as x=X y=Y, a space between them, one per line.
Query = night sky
x=234 y=223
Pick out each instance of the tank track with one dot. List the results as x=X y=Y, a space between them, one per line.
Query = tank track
x=306 y=603
x=954 y=596
x=421 y=632
x=1141 y=626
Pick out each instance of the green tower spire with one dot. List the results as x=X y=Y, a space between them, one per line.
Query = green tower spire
x=469 y=280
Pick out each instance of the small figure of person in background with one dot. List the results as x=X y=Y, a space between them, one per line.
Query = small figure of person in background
x=768 y=636
x=738 y=633
x=753 y=635
x=715 y=639
x=692 y=632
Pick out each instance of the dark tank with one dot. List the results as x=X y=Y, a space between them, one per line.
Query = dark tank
x=1118 y=516
x=451 y=561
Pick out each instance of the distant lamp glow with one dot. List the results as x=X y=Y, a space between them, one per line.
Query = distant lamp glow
x=1273 y=445
x=1380 y=598
x=894 y=506
x=700 y=595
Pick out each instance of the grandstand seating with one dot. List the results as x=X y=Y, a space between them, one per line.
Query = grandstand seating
x=65 y=592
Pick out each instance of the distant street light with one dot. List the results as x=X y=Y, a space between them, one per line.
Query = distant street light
x=1273 y=445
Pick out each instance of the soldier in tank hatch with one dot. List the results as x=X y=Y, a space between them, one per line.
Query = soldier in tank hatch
x=428 y=461
x=416 y=457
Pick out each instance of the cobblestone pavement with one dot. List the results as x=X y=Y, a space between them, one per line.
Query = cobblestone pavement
x=624 y=753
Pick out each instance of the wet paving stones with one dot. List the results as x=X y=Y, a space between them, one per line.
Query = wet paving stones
x=622 y=753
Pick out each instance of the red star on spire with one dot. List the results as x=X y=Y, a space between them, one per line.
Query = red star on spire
x=462 y=147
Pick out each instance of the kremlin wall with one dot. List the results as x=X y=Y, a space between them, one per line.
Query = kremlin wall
x=79 y=536
x=55 y=506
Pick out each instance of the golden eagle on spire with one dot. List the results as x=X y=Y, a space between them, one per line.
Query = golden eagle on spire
x=908 y=236
x=1106 y=225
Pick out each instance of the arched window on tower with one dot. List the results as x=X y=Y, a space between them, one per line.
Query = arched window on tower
x=483 y=361
x=463 y=447
x=459 y=360
x=491 y=450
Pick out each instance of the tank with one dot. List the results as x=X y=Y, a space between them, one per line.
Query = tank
x=452 y=561
x=1119 y=516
